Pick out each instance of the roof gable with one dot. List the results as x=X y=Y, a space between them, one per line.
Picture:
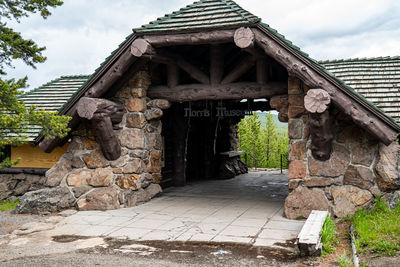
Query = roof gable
x=201 y=15
x=216 y=15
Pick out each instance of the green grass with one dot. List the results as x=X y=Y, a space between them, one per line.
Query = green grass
x=329 y=236
x=344 y=261
x=378 y=230
x=7 y=205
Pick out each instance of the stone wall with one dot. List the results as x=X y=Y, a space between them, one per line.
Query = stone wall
x=93 y=182
x=15 y=185
x=359 y=167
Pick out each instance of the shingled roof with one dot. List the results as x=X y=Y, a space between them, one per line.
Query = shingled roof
x=52 y=96
x=220 y=14
x=377 y=79
x=202 y=14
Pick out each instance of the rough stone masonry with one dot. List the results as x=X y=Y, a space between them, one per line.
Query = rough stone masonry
x=359 y=167
x=84 y=179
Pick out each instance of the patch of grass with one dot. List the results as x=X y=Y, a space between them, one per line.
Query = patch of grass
x=329 y=236
x=378 y=230
x=7 y=205
x=344 y=261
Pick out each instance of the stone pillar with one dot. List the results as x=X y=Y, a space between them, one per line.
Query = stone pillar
x=341 y=184
x=298 y=132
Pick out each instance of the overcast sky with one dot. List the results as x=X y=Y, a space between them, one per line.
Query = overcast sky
x=82 y=33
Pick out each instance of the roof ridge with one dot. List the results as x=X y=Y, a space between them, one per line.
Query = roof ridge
x=239 y=9
x=198 y=8
x=359 y=59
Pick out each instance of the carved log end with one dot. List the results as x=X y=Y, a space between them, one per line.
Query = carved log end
x=244 y=38
x=317 y=101
x=140 y=47
x=86 y=108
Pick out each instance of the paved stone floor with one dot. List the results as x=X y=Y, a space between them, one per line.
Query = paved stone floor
x=247 y=209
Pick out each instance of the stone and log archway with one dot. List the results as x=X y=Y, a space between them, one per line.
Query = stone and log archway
x=337 y=141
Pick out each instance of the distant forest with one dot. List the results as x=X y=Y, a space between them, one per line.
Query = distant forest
x=263 y=138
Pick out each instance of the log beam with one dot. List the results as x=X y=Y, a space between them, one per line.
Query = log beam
x=199 y=38
x=103 y=114
x=216 y=64
x=241 y=68
x=244 y=38
x=317 y=101
x=194 y=92
x=363 y=115
x=140 y=47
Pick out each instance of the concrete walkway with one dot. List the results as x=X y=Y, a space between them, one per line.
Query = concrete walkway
x=247 y=209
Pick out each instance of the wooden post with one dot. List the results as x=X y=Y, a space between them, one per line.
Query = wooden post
x=103 y=114
x=180 y=131
x=317 y=102
x=262 y=68
x=173 y=75
x=216 y=64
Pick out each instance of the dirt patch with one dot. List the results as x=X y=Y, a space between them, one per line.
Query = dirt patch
x=10 y=222
x=200 y=251
x=68 y=238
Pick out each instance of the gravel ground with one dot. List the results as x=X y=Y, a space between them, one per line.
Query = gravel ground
x=10 y=222
x=130 y=253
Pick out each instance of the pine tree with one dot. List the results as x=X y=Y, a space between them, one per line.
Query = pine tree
x=269 y=131
x=262 y=145
x=14 y=116
x=249 y=139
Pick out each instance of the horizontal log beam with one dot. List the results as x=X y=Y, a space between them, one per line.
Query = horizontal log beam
x=194 y=92
x=244 y=38
x=140 y=47
x=88 y=108
x=317 y=101
x=199 y=38
x=314 y=78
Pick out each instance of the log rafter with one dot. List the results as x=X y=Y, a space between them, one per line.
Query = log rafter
x=142 y=48
x=315 y=79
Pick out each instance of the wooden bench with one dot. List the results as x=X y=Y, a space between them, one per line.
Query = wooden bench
x=309 y=238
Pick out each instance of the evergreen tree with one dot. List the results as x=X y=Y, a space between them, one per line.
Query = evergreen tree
x=263 y=145
x=250 y=139
x=14 y=116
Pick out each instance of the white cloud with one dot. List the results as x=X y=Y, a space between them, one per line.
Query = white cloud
x=80 y=34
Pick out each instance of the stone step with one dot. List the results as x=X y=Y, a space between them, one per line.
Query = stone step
x=309 y=238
